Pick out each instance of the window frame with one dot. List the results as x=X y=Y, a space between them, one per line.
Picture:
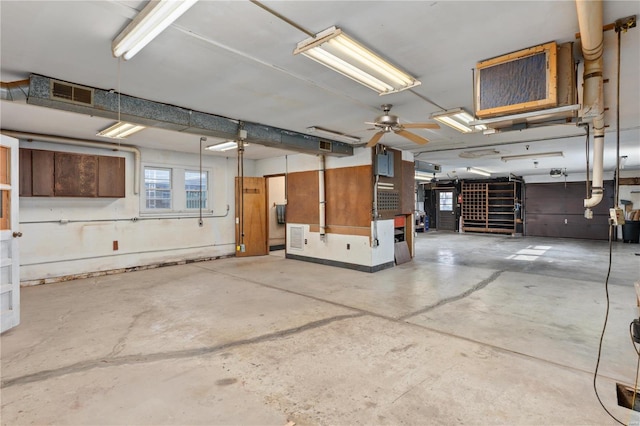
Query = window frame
x=205 y=192
x=178 y=191
x=446 y=198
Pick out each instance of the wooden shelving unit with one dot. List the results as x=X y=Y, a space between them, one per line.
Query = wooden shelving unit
x=489 y=207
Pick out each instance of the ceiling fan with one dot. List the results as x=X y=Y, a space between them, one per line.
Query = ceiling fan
x=388 y=122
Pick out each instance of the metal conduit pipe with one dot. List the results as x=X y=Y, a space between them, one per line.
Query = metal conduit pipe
x=322 y=199
x=590 y=23
x=80 y=142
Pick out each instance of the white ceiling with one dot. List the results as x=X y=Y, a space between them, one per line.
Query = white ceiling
x=234 y=59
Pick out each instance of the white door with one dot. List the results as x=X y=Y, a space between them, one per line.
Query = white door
x=9 y=234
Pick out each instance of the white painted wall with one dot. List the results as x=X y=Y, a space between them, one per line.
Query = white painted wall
x=304 y=162
x=334 y=246
x=72 y=236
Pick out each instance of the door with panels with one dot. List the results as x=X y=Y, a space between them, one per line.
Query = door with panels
x=9 y=234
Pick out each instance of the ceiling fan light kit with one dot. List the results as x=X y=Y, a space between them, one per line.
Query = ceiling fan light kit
x=458 y=119
x=120 y=130
x=388 y=122
x=334 y=49
x=154 y=18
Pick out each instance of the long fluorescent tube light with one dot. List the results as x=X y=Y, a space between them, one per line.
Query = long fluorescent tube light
x=120 y=130
x=224 y=146
x=478 y=171
x=334 y=49
x=333 y=134
x=423 y=176
x=154 y=18
x=458 y=119
x=529 y=156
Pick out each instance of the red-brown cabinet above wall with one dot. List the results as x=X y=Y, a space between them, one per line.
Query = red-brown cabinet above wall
x=63 y=174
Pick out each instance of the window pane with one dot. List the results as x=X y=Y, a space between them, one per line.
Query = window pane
x=446 y=201
x=195 y=186
x=157 y=183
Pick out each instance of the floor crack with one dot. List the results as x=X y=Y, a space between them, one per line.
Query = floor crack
x=482 y=284
x=162 y=356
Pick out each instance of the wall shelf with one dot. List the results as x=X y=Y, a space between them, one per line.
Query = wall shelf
x=489 y=207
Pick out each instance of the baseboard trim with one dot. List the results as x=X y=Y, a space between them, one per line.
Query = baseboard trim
x=361 y=268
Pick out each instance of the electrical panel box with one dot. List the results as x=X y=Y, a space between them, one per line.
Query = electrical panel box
x=383 y=165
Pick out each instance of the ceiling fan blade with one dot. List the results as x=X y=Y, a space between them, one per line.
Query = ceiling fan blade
x=412 y=137
x=374 y=140
x=421 y=126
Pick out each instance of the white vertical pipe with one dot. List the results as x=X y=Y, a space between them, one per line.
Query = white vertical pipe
x=590 y=23
x=321 y=196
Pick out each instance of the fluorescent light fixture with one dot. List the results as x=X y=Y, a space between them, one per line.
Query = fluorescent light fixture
x=334 y=49
x=333 y=134
x=154 y=18
x=120 y=130
x=478 y=171
x=458 y=119
x=532 y=155
x=224 y=146
x=424 y=176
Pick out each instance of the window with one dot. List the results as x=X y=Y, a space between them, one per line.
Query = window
x=157 y=183
x=446 y=201
x=195 y=186
x=175 y=190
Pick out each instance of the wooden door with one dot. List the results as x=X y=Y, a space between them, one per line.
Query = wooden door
x=9 y=234
x=251 y=217
x=446 y=210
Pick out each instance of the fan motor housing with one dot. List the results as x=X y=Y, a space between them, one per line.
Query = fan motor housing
x=387 y=120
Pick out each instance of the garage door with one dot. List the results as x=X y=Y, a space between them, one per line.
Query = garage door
x=556 y=210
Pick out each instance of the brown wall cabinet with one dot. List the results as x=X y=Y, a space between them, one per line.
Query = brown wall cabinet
x=63 y=174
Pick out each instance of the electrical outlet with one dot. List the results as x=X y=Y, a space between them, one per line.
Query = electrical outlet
x=617 y=216
x=348 y=246
x=115 y=245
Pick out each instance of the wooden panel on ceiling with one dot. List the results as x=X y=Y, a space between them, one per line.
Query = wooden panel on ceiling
x=111 y=177
x=407 y=201
x=25 y=172
x=302 y=197
x=42 y=166
x=76 y=175
x=349 y=196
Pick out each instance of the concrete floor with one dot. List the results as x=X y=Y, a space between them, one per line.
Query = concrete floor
x=473 y=331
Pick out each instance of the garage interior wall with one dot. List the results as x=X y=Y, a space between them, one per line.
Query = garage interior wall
x=65 y=236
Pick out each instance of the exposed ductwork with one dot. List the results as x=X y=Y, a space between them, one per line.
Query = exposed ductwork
x=16 y=91
x=590 y=22
x=51 y=93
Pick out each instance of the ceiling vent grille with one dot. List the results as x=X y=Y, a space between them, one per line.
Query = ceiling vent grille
x=71 y=93
x=324 y=145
